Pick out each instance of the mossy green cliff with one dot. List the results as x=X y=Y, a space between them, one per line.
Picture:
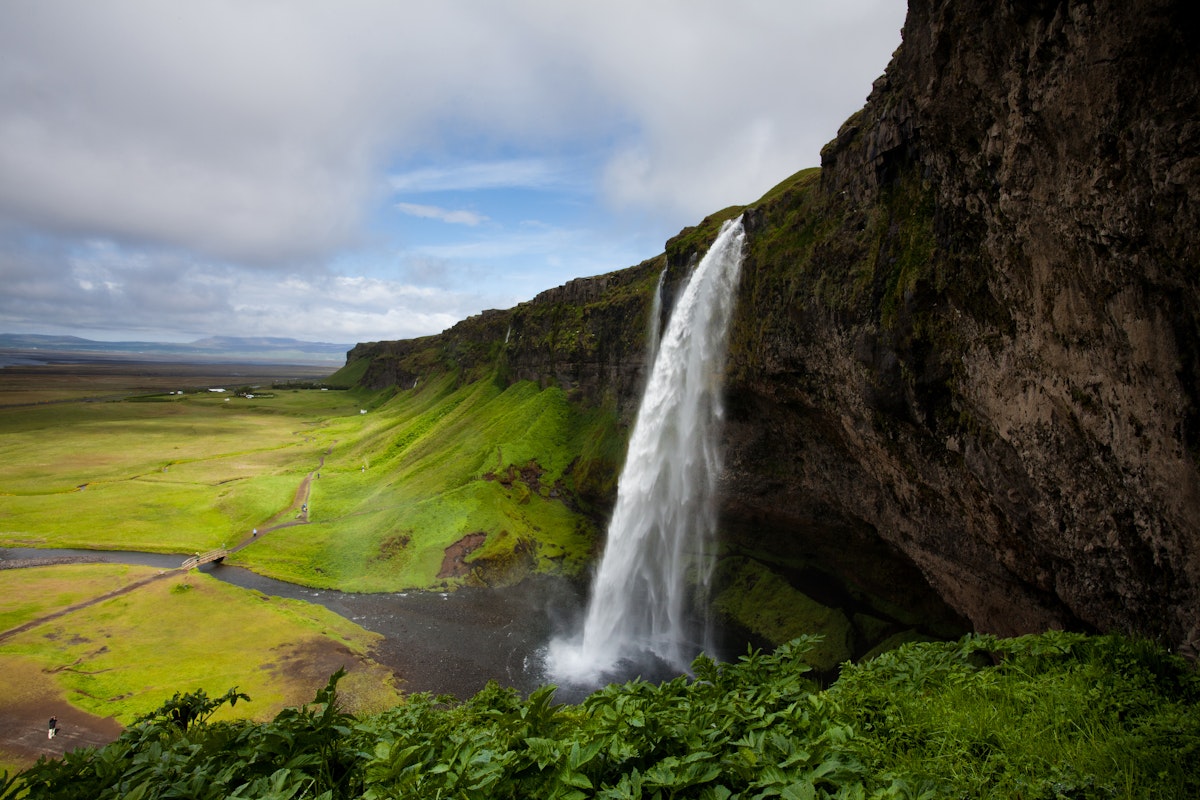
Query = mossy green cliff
x=964 y=374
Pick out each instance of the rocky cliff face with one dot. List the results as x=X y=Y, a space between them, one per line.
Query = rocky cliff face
x=588 y=336
x=980 y=336
x=966 y=360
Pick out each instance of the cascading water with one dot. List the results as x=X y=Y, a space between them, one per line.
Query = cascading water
x=654 y=324
x=657 y=559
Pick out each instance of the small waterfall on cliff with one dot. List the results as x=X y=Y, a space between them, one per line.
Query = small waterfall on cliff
x=654 y=324
x=657 y=557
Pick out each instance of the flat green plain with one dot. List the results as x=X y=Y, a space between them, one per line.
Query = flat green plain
x=124 y=655
x=183 y=474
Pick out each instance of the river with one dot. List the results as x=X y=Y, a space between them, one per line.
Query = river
x=438 y=642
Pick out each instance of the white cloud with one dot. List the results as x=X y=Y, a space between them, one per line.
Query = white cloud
x=725 y=104
x=115 y=293
x=219 y=147
x=456 y=217
x=341 y=309
x=526 y=173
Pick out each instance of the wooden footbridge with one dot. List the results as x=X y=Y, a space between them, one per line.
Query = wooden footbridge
x=205 y=558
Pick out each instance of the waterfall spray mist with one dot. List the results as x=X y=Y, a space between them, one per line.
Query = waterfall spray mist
x=657 y=560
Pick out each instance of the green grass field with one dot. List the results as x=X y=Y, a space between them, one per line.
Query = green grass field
x=181 y=475
x=33 y=593
x=426 y=468
x=397 y=485
x=124 y=656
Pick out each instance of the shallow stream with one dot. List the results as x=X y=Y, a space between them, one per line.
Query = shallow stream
x=438 y=642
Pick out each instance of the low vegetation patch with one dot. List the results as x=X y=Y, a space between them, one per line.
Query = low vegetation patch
x=767 y=605
x=433 y=464
x=1052 y=716
x=120 y=655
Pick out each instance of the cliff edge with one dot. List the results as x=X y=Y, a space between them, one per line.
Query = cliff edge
x=965 y=364
x=975 y=341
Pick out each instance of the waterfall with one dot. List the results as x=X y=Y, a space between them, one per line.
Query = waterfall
x=654 y=324
x=657 y=559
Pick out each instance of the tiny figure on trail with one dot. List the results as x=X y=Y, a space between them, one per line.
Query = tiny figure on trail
x=254 y=532
x=53 y=729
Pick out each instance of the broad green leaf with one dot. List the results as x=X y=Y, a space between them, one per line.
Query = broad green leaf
x=799 y=791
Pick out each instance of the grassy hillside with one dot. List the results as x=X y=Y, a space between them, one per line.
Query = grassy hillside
x=497 y=469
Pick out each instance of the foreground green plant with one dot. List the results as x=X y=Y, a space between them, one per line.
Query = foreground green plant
x=175 y=752
x=1072 y=716
x=1053 y=715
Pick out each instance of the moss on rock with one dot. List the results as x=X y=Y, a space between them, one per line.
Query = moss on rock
x=764 y=603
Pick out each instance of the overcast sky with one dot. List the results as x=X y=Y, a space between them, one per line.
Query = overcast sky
x=353 y=171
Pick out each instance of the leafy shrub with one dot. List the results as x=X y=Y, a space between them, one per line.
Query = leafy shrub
x=1053 y=715
x=1050 y=716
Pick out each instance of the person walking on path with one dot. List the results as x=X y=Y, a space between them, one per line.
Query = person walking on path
x=53 y=729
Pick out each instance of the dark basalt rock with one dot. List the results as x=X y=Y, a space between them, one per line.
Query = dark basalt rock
x=987 y=354
x=964 y=374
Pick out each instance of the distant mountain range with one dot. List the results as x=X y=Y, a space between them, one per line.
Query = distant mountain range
x=34 y=348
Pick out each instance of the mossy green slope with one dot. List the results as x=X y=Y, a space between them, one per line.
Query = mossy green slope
x=492 y=467
x=770 y=607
